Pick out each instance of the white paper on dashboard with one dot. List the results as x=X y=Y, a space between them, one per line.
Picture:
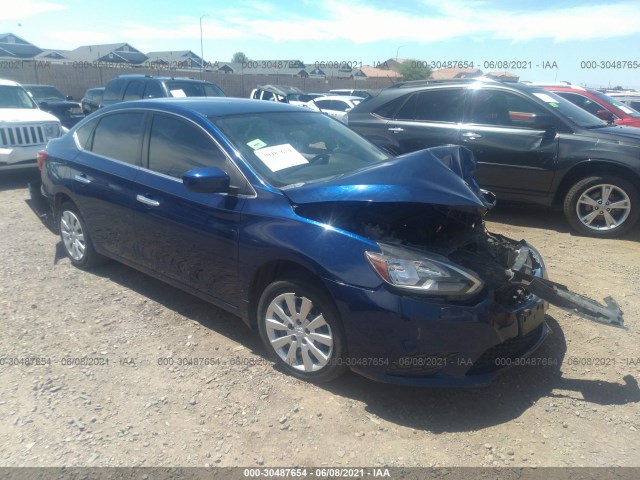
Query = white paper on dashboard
x=280 y=157
x=546 y=98
x=178 y=93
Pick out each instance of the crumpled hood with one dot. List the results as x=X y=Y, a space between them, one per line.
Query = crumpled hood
x=436 y=176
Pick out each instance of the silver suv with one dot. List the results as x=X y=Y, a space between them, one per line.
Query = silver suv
x=24 y=128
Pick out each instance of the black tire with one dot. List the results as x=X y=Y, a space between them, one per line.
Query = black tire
x=621 y=190
x=75 y=237
x=328 y=361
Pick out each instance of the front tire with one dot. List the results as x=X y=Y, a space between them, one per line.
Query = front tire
x=75 y=238
x=604 y=206
x=301 y=328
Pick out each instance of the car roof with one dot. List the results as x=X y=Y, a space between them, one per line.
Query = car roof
x=29 y=85
x=340 y=97
x=9 y=83
x=208 y=106
x=162 y=78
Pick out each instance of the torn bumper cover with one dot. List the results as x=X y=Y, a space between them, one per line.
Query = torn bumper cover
x=560 y=296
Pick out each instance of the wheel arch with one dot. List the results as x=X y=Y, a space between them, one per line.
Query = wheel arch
x=271 y=271
x=58 y=200
x=589 y=168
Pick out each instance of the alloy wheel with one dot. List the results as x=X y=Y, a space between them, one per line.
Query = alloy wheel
x=299 y=333
x=603 y=207
x=72 y=235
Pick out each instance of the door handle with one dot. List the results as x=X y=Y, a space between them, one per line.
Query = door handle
x=471 y=135
x=396 y=129
x=147 y=201
x=81 y=179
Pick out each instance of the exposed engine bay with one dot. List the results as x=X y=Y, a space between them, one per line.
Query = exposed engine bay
x=506 y=266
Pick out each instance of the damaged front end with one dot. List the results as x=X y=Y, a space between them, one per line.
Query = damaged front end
x=429 y=226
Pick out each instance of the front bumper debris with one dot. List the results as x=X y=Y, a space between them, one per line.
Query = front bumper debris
x=560 y=296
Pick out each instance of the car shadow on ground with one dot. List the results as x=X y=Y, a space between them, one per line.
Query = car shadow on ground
x=462 y=410
x=542 y=218
x=17 y=179
x=436 y=410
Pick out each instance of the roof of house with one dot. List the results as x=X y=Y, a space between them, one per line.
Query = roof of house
x=451 y=73
x=372 y=72
x=110 y=52
x=176 y=58
x=260 y=67
x=51 y=54
x=13 y=46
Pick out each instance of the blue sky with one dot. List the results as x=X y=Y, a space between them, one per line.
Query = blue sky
x=565 y=32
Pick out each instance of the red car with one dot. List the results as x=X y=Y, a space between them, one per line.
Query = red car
x=597 y=103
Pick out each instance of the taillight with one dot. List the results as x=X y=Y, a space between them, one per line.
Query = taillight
x=42 y=156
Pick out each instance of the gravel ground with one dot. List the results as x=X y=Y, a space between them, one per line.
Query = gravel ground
x=125 y=409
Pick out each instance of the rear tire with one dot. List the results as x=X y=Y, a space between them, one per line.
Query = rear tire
x=603 y=206
x=76 y=239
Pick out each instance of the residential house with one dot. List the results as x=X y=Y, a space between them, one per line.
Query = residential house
x=176 y=60
x=14 y=47
x=122 y=53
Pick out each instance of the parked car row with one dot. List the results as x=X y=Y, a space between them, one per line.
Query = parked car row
x=339 y=254
x=51 y=100
x=532 y=145
x=25 y=129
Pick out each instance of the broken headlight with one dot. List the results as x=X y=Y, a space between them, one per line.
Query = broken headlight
x=423 y=272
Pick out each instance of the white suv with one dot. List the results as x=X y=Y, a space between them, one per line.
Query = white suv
x=24 y=128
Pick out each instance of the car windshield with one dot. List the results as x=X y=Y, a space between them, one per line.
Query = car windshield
x=46 y=94
x=297 y=147
x=193 y=89
x=565 y=108
x=15 y=97
x=617 y=103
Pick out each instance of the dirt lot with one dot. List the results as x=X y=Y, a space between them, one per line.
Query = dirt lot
x=127 y=410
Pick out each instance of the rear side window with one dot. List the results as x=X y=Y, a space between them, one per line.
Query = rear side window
x=134 y=90
x=389 y=109
x=119 y=136
x=153 y=90
x=114 y=90
x=177 y=88
x=175 y=147
x=83 y=134
x=493 y=107
x=433 y=106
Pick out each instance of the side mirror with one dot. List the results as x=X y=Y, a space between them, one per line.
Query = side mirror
x=605 y=115
x=206 y=180
x=69 y=98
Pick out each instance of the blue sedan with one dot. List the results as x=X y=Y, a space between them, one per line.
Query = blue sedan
x=339 y=255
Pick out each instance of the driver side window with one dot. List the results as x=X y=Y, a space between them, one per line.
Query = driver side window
x=176 y=146
x=497 y=108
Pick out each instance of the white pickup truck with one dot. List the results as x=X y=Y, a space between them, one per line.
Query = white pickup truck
x=24 y=128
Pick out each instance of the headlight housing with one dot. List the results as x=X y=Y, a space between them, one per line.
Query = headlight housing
x=423 y=272
x=51 y=130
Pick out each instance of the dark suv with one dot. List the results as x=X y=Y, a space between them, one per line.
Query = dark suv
x=531 y=145
x=51 y=100
x=135 y=87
